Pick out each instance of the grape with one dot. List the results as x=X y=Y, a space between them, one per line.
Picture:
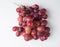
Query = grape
x=32 y=23
x=30 y=9
x=34 y=34
x=22 y=14
x=45 y=16
x=24 y=11
x=18 y=10
x=15 y=28
x=35 y=6
x=36 y=11
x=27 y=11
x=27 y=30
x=47 y=29
x=40 y=28
x=43 y=38
x=43 y=10
x=32 y=14
x=20 y=19
x=27 y=37
x=36 y=15
x=44 y=23
x=39 y=12
x=18 y=33
x=24 y=24
x=36 y=19
x=21 y=29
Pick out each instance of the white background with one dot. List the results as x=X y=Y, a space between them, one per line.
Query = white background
x=8 y=18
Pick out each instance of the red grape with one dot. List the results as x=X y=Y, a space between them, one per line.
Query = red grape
x=40 y=28
x=39 y=12
x=24 y=24
x=29 y=19
x=43 y=38
x=36 y=11
x=27 y=30
x=35 y=6
x=21 y=29
x=45 y=16
x=20 y=19
x=43 y=10
x=30 y=9
x=32 y=23
x=27 y=37
x=44 y=22
x=22 y=14
x=34 y=34
x=18 y=10
x=24 y=11
x=18 y=33
x=23 y=33
x=15 y=28
x=47 y=29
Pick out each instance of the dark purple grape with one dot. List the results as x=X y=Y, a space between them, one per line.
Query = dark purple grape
x=24 y=24
x=43 y=10
x=32 y=14
x=35 y=6
x=24 y=11
x=21 y=29
x=36 y=19
x=42 y=34
x=47 y=34
x=47 y=29
x=44 y=22
x=30 y=9
x=27 y=11
x=42 y=13
x=36 y=10
x=36 y=15
x=45 y=16
x=43 y=38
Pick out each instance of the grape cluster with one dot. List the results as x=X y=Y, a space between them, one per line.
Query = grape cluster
x=32 y=23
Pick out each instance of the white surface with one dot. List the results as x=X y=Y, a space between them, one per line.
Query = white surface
x=8 y=18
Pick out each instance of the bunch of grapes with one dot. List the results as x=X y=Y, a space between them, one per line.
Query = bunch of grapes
x=32 y=23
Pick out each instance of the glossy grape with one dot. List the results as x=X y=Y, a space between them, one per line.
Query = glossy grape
x=32 y=23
